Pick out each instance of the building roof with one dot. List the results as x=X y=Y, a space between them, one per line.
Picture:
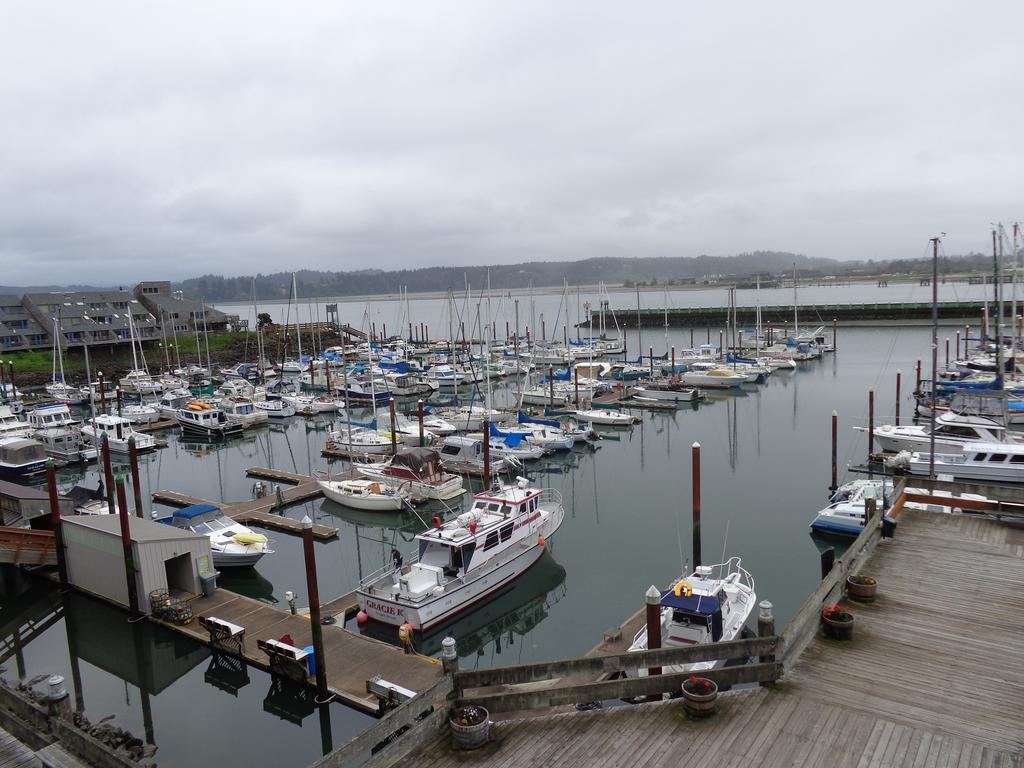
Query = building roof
x=142 y=531
x=27 y=493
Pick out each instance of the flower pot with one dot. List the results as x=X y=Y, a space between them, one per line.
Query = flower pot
x=472 y=736
x=836 y=629
x=701 y=704
x=860 y=591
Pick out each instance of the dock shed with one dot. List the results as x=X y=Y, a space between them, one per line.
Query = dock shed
x=20 y=503
x=165 y=557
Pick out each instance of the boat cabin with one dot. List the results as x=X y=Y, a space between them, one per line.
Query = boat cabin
x=56 y=415
x=421 y=464
x=692 y=617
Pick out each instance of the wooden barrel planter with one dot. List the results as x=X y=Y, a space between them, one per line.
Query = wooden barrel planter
x=470 y=727
x=837 y=622
x=700 y=696
x=861 y=588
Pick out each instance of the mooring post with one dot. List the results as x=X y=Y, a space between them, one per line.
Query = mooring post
x=898 y=375
x=419 y=416
x=394 y=427
x=947 y=355
x=487 y=453
x=958 y=344
x=721 y=344
x=691 y=338
x=765 y=628
x=835 y=336
x=771 y=335
x=695 y=479
x=103 y=393
x=543 y=328
x=967 y=336
x=108 y=473
x=576 y=385
x=55 y=523
x=650 y=354
x=313 y=590
x=652 y=603
x=327 y=375
x=673 y=359
x=551 y=386
x=126 y=548
x=133 y=456
x=917 y=385
x=828 y=559
x=835 y=440
x=120 y=400
x=410 y=333
x=741 y=342
x=871 y=423
x=449 y=656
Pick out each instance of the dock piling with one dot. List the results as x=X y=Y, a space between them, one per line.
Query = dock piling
x=721 y=344
x=835 y=336
x=108 y=472
x=551 y=386
x=917 y=384
x=958 y=344
x=947 y=352
x=673 y=359
x=871 y=423
x=652 y=602
x=449 y=656
x=898 y=374
x=120 y=401
x=650 y=353
x=133 y=455
x=126 y=547
x=576 y=385
x=312 y=589
x=695 y=454
x=828 y=559
x=766 y=628
x=55 y=524
x=103 y=393
x=835 y=440
x=419 y=416
x=394 y=434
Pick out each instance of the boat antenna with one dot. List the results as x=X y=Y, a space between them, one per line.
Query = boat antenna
x=725 y=541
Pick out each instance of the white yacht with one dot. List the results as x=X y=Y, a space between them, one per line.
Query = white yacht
x=998 y=462
x=275 y=409
x=118 y=431
x=11 y=425
x=710 y=605
x=141 y=414
x=359 y=441
x=464 y=560
x=671 y=391
x=607 y=417
x=206 y=420
x=172 y=400
x=51 y=415
x=140 y=382
x=952 y=432
x=66 y=393
x=231 y=544
x=242 y=410
x=21 y=457
x=368 y=495
x=715 y=378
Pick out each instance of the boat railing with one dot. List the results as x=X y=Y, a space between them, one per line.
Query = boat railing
x=551 y=496
x=372 y=578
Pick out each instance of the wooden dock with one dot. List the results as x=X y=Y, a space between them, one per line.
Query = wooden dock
x=934 y=676
x=261 y=511
x=14 y=754
x=156 y=426
x=352 y=659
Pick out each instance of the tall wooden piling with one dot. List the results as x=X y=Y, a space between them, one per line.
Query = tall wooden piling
x=721 y=344
x=126 y=548
x=828 y=559
x=108 y=473
x=958 y=344
x=947 y=354
x=316 y=628
x=695 y=482
x=133 y=457
x=652 y=608
x=766 y=628
x=394 y=427
x=898 y=398
x=650 y=354
x=871 y=423
x=419 y=417
x=576 y=385
x=551 y=386
x=835 y=336
x=673 y=359
x=55 y=524
x=917 y=384
x=835 y=444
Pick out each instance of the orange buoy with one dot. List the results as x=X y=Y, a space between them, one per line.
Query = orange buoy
x=540 y=541
x=362 y=617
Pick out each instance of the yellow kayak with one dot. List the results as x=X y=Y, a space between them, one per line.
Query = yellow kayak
x=250 y=537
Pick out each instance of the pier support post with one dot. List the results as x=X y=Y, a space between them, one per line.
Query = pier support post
x=871 y=423
x=673 y=360
x=947 y=356
x=103 y=393
x=898 y=374
x=835 y=336
x=765 y=628
x=120 y=401
x=650 y=353
x=327 y=375
x=449 y=656
x=576 y=385
x=126 y=548
x=917 y=384
x=741 y=342
x=652 y=604
x=394 y=434
x=835 y=441
x=551 y=386
x=55 y=524
x=316 y=628
x=695 y=481
x=133 y=455
x=721 y=345
x=419 y=416
x=828 y=559
x=691 y=338
x=958 y=344
x=108 y=472
x=967 y=336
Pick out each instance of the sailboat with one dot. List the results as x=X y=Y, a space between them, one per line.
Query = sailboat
x=58 y=388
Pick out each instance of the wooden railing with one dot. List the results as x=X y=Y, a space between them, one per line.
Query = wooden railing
x=565 y=686
x=23 y=546
x=400 y=731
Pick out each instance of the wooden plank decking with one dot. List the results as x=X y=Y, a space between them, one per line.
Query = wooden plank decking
x=14 y=754
x=934 y=676
x=351 y=658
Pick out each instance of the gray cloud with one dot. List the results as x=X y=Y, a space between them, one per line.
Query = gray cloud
x=166 y=140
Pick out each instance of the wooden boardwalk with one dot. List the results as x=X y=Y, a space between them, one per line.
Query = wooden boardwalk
x=351 y=658
x=934 y=676
x=261 y=511
x=14 y=754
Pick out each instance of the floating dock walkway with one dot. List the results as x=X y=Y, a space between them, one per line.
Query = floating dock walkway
x=260 y=511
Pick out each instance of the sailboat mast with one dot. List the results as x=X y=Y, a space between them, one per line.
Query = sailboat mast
x=131 y=333
x=795 y=310
x=999 y=309
x=298 y=332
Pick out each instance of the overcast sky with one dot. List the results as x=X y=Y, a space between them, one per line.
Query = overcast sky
x=166 y=140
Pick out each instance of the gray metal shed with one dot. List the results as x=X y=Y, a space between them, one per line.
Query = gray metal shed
x=165 y=557
x=19 y=503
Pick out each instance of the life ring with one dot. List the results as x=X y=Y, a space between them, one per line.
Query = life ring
x=683 y=589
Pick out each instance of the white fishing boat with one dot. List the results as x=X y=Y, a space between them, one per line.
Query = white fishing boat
x=998 y=462
x=11 y=425
x=51 y=415
x=952 y=432
x=607 y=417
x=468 y=418
x=118 y=431
x=462 y=453
x=172 y=400
x=710 y=605
x=419 y=469
x=66 y=393
x=715 y=378
x=232 y=544
x=141 y=414
x=65 y=444
x=242 y=410
x=369 y=495
x=21 y=457
x=276 y=408
x=310 y=405
x=206 y=420
x=358 y=441
x=139 y=382
x=675 y=392
x=461 y=562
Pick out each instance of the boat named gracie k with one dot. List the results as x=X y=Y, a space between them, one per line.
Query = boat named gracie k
x=465 y=559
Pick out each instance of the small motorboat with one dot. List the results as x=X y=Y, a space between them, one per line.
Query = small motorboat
x=231 y=544
x=365 y=494
x=202 y=418
x=141 y=414
x=275 y=409
x=118 y=431
x=21 y=457
x=710 y=605
x=607 y=417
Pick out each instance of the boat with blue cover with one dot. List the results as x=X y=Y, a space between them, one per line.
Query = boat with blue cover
x=232 y=544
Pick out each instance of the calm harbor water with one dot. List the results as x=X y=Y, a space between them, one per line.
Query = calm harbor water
x=765 y=471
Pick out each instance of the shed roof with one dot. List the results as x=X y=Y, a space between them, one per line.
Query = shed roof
x=16 y=491
x=141 y=530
